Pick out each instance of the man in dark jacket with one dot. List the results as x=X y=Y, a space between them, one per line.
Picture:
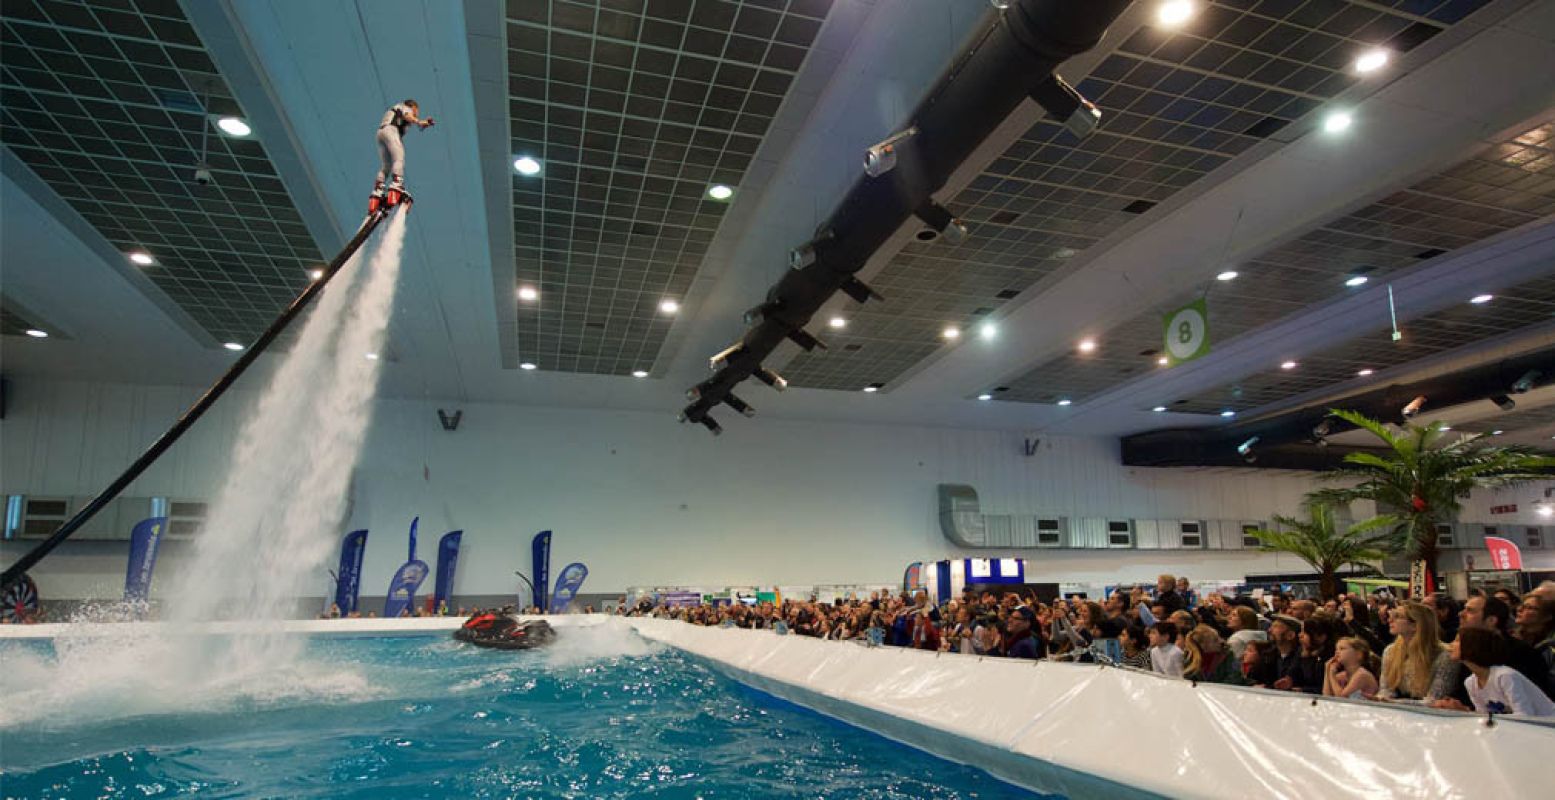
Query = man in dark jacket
x=1281 y=668
x=1020 y=643
x=1166 y=594
x=1492 y=613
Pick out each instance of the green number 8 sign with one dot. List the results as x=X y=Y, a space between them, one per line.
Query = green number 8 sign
x=1187 y=332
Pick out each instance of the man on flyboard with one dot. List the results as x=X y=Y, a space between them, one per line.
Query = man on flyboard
x=391 y=151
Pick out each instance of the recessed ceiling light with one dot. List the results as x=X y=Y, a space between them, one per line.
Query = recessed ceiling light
x=1481 y=299
x=525 y=165
x=527 y=293
x=1158 y=409
x=1087 y=345
x=669 y=306
x=1065 y=252
x=1288 y=365
x=871 y=389
x=1228 y=413
x=37 y=334
x=838 y=322
x=1356 y=280
x=951 y=332
x=1446 y=427
x=1064 y=402
x=1228 y=275
x=719 y=191
x=639 y=373
x=232 y=126
x=142 y=258
x=1371 y=61
x=1337 y=122
x=1163 y=360
x=1175 y=12
x=372 y=356
x=1363 y=373
x=1497 y=432
x=315 y=274
x=233 y=346
x=526 y=365
x=988 y=330
x=985 y=396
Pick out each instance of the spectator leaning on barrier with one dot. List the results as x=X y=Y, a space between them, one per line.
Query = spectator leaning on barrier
x=1493 y=686
x=1281 y=665
x=1492 y=614
x=1021 y=642
x=1207 y=658
x=1166 y=657
x=1410 y=662
x=1348 y=673
x=1536 y=627
x=1244 y=630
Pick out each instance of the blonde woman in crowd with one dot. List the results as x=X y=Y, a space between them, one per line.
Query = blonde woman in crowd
x=1409 y=664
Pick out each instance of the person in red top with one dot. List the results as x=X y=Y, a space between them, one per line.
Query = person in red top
x=925 y=634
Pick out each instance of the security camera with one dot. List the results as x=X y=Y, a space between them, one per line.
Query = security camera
x=203 y=176
x=1414 y=407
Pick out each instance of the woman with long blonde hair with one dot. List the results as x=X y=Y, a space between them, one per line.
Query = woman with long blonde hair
x=1410 y=662
x=1206 y=657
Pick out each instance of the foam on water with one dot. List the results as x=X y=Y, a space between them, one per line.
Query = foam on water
x=273 y=524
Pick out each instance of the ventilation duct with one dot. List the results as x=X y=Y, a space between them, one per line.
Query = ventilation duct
x=1287 y=441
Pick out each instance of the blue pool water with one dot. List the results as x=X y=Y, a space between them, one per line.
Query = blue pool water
x=427 y=717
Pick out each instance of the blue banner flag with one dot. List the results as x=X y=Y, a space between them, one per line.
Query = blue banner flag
x=144 y=541
x=447 y=559
x=567 y=585
x=541 y=547
x=348 y=584
x=413 y=523
x=402 y=590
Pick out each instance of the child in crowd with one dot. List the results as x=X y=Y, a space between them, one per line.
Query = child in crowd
x=1165 y=657
x=1494 y=687
x=1346 y=673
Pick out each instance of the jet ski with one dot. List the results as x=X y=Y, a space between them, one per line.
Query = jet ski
x=503 y=630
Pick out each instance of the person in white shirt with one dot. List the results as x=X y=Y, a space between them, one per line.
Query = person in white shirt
x=391 y=147
x=1494 y=687
x=1165 y=656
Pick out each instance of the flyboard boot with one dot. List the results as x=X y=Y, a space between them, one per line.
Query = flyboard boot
x=395 y=194
x=375 y=200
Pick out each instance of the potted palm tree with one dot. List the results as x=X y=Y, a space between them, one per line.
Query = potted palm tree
x=1318 y=541
x=1418 y=476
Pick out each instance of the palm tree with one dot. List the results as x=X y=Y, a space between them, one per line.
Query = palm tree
x=1319 y=542
x=1416 y=480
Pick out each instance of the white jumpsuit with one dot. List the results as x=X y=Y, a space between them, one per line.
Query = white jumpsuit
x=391 y=148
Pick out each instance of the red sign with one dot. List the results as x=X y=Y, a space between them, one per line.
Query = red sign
x=1511 y=509
x=1503 y=553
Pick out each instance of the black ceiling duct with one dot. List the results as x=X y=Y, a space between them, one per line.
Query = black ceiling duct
x=1012 y=59
x=1296 y=439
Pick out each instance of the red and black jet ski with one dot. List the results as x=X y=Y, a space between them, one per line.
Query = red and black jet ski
x=503 y=630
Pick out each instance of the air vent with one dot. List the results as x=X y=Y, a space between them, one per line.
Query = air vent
x=176 y=100
x=1432 y=253
x=981 y=311
x=1050 y=533
x=1139 y=207
x=645 y=229
x=1444 y=537
x=39 y=507
x=1412 y=37
x=1248 y=539
x=1192 y=534
x=1265 y=127
x=1008 y=294
x=1120 y=533
x=877 y=386
x=927 y=235
x=1001 y=388
x=1004 y=217
x=852 y=348
x=1535 y=537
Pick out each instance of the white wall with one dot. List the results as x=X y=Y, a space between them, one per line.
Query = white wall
x=639 y=498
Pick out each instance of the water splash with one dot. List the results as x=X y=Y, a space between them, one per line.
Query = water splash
x=270 y=529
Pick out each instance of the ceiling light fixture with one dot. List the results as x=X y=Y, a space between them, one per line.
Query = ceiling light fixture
x=1497 y=432
x=1364 y=373
x=1064 y=402
x=315 y=274
x=719 y=191
x=1228 y=413
x=526 y=366
x=232 y=126
x=1163 y=360
x=142 y=258
x=1446 y=428
x=985 y=396
x=1175 y=12
x=1356 y=280
x=372 y=356
x=988 y=330
x=1228 y=275
x=639 y=373
x=1371 y=61
x=233 y=346
x=951 y=332
x=1087 y=345
x=871 y=389
x=528 y=294
x=1337 y=122
x=838 y=323
x=525 y=165
x=1158 y=409
x=37 y=334
x=1288 y=365
x=1481 y=299
x=669 y=306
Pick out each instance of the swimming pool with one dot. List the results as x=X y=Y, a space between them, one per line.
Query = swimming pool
x=604 y=714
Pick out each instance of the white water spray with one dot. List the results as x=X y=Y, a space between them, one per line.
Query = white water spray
x=272 y=526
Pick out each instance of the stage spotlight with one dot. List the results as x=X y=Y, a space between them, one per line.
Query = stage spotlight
x=1503 y=402
x=942 y=222
x=1245 y=450
x=881 y=158
x=1320 y=432
x=771 y=378
x=1060 y=100
x=1526 y=383
x=1414 y=407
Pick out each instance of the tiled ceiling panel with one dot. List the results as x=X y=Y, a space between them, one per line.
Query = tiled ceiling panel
x=636 y=108
x=112 y=104
x=1523 y=306
x=1502 y=187
x=1175 y=105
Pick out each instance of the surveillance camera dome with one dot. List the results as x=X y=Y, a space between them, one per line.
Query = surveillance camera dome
x=202 y=176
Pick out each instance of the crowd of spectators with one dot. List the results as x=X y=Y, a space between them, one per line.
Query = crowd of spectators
x=1479 y=656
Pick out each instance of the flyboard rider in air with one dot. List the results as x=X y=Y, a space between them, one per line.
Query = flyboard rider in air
x=391 y=151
